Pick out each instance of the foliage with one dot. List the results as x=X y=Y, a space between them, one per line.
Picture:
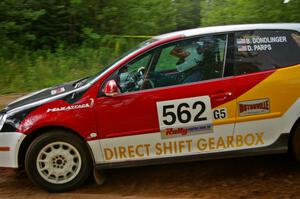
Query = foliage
x=187 y=14
x=44 y=68
x=48 y=42
x=219 y=12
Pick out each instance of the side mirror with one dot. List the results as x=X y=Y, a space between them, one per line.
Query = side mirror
x=111 y=88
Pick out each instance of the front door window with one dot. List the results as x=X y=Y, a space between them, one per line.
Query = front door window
x=131 y=76
x=189 y=61
x=180 y=62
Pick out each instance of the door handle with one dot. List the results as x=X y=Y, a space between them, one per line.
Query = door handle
x=221 y=95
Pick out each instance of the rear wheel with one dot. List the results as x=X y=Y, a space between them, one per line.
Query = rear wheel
x=295 y=144
x=58 y=161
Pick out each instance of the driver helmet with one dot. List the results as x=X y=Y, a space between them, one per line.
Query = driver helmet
x=125 y=80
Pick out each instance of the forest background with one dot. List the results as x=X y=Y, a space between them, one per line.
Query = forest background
x=47 y=42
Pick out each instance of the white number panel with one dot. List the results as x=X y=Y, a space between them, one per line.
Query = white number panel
x=183 y=113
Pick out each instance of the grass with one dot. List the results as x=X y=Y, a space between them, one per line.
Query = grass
x=34 y=70
x=25 y=71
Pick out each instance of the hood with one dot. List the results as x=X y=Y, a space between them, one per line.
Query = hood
x=43 y=94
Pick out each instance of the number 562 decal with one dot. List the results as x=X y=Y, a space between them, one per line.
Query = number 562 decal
x=184 y=113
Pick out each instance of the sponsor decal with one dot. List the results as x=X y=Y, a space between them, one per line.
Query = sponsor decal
x=184 y=146
x=72 y=107
x=254 y=107
x=179 y=132
x=58 y=90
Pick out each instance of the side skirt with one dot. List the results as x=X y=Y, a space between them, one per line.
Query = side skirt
x=280 y=146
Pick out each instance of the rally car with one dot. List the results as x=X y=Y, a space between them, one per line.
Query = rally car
x=190 y=95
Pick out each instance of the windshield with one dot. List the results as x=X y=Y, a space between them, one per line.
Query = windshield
x=90 y=78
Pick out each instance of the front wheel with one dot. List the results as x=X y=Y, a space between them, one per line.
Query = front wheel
x=58 y=161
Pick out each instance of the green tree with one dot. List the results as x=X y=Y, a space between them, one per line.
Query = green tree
x=15 y=25
x=218 y=12
x=187 y=14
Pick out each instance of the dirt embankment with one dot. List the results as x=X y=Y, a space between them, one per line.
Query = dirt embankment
x=5 y=99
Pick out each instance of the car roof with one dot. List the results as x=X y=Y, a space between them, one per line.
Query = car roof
x=230 y=28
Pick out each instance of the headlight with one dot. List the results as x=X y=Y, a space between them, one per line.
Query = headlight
x=2 y=120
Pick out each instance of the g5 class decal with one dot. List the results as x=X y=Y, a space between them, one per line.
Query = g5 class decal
x=220 y=114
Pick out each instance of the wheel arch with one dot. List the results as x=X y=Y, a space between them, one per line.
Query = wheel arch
x=36 y=133
x=292 y=133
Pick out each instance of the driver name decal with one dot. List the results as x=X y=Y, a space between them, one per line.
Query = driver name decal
x=256 y=43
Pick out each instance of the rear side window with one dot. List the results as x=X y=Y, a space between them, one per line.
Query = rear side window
x=258 y=50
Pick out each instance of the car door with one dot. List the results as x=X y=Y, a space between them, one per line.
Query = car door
x=171 y=108
x=266 y=65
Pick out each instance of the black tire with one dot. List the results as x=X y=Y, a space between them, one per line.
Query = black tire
x=47 y=141
x=295 y=144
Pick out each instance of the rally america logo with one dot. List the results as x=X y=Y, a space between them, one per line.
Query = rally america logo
x=72 y=107
x=254 y=107
x=178 y=132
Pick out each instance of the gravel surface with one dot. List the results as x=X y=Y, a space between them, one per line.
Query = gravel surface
x=275 y=176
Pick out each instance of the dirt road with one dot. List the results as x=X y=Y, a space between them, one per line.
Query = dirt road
x=5 y=99
x=256 y=177
x=275 y=176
